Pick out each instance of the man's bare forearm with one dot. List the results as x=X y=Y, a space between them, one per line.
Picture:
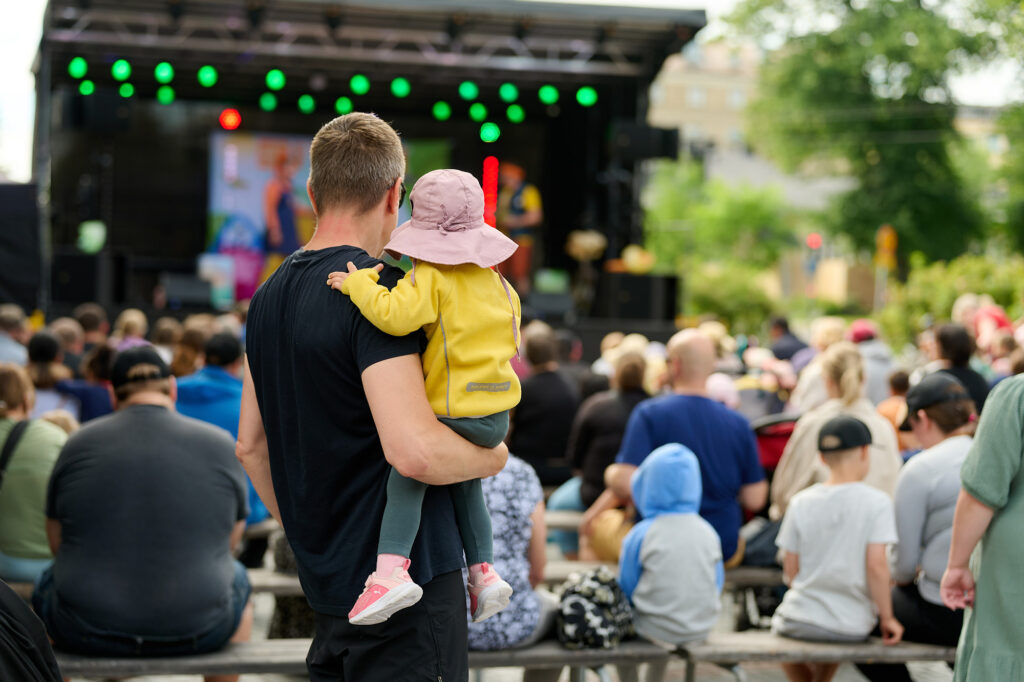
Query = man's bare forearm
x=448 y=458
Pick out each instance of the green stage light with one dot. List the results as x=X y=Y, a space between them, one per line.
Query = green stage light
x=468 y=90
x=508 y=93
x=586 y=96
x=442 y=111
x=86 y=87
x=548 y=94
x=275 y=79
x=77 y=67
x=126 y=90
x=307 y=104
x=478 y=112
x=490 y=132
x=268 y=101
x=207 y=76
x=343 y=105
x=164 y=73
x=165 y=94
x=400 y=88
x=515 y=113
x=121 y=70
x=359 y=84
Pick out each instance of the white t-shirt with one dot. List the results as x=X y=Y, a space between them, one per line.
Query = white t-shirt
x=829 y=527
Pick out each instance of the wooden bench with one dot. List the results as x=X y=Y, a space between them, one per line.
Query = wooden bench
x=732 y=648
x=557 y=519
x=288 y=657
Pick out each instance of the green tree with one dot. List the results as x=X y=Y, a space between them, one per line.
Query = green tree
x=688 y=221
x=867 y=91
x=1012 y=125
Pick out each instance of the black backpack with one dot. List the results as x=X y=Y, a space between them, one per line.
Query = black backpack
x=594 y=612
x=25 y=653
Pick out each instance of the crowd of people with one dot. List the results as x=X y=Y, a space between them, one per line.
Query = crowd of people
x=135 y=455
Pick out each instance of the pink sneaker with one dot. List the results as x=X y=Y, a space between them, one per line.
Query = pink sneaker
x=383 y=597
x=488 y=593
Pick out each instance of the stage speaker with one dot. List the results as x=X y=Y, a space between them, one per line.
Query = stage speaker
x=77 y=277
x=635 y=297
x=633 y=141
x=104 y=112
x=20 y=259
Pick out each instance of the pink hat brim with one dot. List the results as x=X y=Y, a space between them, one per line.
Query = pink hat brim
x=481 y=245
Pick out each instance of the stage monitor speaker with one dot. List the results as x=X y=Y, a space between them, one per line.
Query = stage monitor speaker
x=635 y=297
x=21 y=271
x=634 y=141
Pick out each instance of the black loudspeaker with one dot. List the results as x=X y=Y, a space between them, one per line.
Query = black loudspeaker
x=20 y=258
x=104 y=111
x=77 y=277
x=635 y=297
x=634 y=141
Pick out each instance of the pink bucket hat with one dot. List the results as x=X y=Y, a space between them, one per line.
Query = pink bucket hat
x=447 y=225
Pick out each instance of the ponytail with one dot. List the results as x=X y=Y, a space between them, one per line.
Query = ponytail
x=844 y=366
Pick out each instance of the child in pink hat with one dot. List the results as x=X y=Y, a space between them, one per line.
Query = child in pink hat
x=471 y=318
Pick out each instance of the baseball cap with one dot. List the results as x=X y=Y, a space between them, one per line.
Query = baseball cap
x=222 y=349
x=936 y=388
x=843 y=433
x=141 y=363
x=862 y=330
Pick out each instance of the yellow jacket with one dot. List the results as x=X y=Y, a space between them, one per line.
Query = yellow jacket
x=472 y=328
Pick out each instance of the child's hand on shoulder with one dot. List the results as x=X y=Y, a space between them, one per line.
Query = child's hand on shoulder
x=892 y=630
x=336 y=279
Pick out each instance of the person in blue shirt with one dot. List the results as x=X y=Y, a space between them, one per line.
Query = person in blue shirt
x=214 y=395
x=722 y=440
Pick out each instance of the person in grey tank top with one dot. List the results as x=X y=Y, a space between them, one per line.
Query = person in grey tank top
x=941 y=415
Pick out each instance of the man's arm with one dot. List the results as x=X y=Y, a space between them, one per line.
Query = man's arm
x=415 y=443
x=237 y=533
x=251 y=448
x=53 y=535
x=618 y=479
x=754 y=496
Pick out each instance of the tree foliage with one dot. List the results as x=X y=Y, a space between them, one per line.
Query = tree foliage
x=863 y=84
x=688 y=221
x=930 y=290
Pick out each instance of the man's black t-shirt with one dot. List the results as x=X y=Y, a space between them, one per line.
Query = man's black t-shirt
x=147 y=500
x=308 y=346
x=541 y=423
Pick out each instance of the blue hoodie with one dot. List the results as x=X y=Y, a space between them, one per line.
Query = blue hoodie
x=671 y=563
x=214 y=396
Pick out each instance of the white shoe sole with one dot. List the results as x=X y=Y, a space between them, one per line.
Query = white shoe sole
x=491 y=600
x=397 y=598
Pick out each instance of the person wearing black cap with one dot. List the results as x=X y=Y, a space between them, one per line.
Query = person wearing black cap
x=833 y=539
x=214 y=395
x=143 y=509
x=940 y=413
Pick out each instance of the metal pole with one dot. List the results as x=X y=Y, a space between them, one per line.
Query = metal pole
x=41 y=159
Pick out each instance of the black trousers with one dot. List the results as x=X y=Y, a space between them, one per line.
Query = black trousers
x=426 y=641
x=922 y=622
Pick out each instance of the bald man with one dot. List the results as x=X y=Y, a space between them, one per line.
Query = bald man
x=721 y=438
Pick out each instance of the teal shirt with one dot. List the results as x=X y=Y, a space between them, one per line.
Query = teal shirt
x=991 y=641
x=23 y=494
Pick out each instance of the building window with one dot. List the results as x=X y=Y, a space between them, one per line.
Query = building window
x=737 y=99
x=696 y=98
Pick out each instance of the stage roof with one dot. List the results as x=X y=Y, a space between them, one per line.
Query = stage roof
x=560 y=42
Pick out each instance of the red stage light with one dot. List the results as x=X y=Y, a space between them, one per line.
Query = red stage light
x=490 y=186
x=230 y=119
x=814 y=241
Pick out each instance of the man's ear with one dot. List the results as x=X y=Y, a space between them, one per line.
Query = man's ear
x=309 y=193
x=864 y=452
x=394 y=196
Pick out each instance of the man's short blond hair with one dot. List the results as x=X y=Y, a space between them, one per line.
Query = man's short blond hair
x=353 y=161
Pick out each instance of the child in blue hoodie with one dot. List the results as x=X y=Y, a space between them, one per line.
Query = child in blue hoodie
x=671 y=563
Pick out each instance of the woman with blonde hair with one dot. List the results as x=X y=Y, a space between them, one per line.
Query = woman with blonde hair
x=130 y=329
x=32 y=448
x=810 y=389
x=800 y=467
